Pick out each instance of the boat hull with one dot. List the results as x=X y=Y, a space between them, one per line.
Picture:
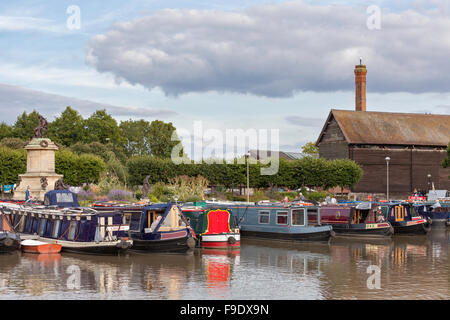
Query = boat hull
x=178 y=245
x=414 y=228
x=9 y=242
x=307 y=236
x=363 y=231
x=97 y=248
x=42 y=249
x=221 y=241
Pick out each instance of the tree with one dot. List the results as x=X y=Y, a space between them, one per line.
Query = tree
x=12 y=143
x=67 y=129
x=12 y=163
x=160 y=139
x=102 y=127
x=5 y=131
x=310 y=149
x=137 y=137
x=25 y=124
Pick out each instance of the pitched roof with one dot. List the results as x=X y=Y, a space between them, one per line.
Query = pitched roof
x=363 y=127
x=263 y=154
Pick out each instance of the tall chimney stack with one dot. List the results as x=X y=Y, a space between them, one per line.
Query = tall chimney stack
x=360 y=86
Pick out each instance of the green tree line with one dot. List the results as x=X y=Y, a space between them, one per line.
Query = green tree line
x=293 y=174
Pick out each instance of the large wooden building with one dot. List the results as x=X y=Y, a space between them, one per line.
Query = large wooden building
x=415 y=143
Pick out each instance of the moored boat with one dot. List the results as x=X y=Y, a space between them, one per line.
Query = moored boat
x=214 y=228
x=33 y=246
x=156 y=228
x=278 y=221
x=358 y=220
x=404 y=218
x=437 y=212
x=81 y=230
x=9 y=239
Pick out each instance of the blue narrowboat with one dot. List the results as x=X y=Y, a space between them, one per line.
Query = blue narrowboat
x=294 y=222
x=157 y=227
x=76 y=229
x=437 y=212
x=404 y=218
x=356 y=220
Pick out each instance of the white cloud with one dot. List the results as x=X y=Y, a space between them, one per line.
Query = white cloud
x=277 y=50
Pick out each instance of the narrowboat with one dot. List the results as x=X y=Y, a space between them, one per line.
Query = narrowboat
x=76 y=229
x=9 y=239
x=214 y=227
x=437 y=212
x=359 y=220
x=157 y=227
x=404 y=218
x=279 y=221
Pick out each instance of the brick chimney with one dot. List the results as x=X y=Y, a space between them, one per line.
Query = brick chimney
x=360 y=87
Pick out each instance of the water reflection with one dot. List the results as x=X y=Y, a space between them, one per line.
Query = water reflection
x=412 y=267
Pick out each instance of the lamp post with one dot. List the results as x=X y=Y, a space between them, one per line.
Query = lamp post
x=247 y=156
x=429 y=182
x=387 y=177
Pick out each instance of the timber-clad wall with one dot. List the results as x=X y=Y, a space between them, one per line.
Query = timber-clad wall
x=408 y=169
x=333 y=144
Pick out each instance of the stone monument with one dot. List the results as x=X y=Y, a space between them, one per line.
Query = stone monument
x=40 y=175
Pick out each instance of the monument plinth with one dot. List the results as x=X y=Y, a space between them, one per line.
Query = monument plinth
x=41 y=175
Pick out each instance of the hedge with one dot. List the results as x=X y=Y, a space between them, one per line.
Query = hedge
x=309 y=171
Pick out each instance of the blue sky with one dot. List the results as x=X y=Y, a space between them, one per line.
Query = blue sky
x=231 y=64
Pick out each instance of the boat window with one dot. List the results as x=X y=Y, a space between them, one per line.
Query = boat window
x=22 y=223
x=313 y=217
x=42 y=227
x=135 y=224
x=282 y=217
x=263 y=217
x=64 y=197
x=72 y=229
x=56 y=228
x=127 y=218
x=298 y=217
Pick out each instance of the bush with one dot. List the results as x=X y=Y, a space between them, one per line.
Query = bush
x=78 y=169
x=318 y=196
x=12 y=163
x=86 y=195
x=117 y=194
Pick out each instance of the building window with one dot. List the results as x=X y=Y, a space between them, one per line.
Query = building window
x=263 y=217
x=282 y=217
x=298 y=217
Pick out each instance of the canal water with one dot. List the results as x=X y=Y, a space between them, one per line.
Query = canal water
x=406 y=267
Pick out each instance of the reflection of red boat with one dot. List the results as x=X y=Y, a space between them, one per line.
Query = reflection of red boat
x=33 y=246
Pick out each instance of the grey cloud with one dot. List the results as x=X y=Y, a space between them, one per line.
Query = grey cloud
x=304 y=121
x=14 y=100
x=276 y=50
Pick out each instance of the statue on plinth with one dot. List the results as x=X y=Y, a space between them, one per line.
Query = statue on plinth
x=42 y=128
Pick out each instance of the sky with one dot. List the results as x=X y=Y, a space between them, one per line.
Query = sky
x=245 y=65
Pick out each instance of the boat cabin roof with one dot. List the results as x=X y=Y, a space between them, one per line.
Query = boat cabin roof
x=61 y=198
